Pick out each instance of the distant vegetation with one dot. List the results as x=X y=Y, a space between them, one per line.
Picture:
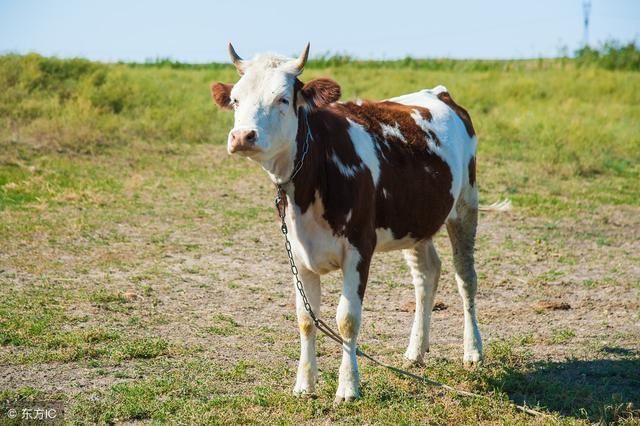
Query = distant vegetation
x=611 y=55
x=78 y=105
x=546 y=110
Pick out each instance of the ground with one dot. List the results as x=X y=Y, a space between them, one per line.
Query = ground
x=149 y=282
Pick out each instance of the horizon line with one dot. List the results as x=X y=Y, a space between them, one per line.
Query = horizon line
x=341 y=57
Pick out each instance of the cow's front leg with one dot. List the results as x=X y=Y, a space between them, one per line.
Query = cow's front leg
x=355 y=271
x=308 y=366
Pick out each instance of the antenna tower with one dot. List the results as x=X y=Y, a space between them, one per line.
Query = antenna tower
x=586 y=9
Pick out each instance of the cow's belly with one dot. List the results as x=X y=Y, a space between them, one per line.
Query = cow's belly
x=385 y=241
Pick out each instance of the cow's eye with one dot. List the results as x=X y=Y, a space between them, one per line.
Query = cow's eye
x=233 y=102
x=284 y=101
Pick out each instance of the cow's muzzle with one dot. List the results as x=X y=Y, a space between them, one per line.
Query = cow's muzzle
x=243 y=140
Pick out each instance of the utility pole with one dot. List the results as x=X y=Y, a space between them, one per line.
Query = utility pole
x=586 y=9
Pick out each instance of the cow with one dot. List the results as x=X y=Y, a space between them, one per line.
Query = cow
x=360 y=177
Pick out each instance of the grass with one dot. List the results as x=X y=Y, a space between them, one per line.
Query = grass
x=562 y=335
x=136 y=256
x=223 y=326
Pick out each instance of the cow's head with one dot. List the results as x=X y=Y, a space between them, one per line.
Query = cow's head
x=267 y=101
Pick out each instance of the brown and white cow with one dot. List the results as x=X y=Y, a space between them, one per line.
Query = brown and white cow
x=377 y=176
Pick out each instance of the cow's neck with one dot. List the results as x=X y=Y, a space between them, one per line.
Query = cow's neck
x=311 y=177
x=281 y=166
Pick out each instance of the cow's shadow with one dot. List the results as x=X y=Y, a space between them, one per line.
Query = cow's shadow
x=604 y=390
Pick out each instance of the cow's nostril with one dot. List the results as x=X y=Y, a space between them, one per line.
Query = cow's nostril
x=251 y=136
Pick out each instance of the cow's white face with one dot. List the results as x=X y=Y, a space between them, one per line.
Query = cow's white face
x=266 y=102
x=265 y=119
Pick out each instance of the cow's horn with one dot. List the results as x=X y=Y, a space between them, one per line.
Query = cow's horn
x=303 y=58
x=236 y=59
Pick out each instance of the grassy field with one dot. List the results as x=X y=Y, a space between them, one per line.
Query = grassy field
x=142 y=276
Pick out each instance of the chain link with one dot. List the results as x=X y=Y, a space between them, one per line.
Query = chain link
x=280 y=205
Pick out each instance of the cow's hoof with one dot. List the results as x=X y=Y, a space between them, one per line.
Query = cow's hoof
x=413 y=360
x=472 y=360
x=305 y=395
x=414 y=357
x=304 y=392
x=342 y=399
x=347 y=392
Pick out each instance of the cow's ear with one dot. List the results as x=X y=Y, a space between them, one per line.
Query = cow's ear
x=320 y=92
x=221 y=94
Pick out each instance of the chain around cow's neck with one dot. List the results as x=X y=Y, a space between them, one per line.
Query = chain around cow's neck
x=305 y=150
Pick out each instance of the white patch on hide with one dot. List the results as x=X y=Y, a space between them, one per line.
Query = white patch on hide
x=366 y=149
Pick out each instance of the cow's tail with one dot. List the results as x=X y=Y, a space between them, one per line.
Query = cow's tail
x=498 y=206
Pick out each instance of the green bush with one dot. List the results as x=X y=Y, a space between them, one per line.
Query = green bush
x=80 y=106
x=611 y=55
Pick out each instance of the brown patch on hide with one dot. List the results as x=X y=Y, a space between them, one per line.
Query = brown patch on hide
x=461 y=112
x=372 y=115
x=472 y=171
x=306 y=326
x=348 y=326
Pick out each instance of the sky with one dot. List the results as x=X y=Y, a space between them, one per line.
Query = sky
x=198 y=30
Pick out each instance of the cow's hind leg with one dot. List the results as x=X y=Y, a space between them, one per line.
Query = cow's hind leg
x=307 y=367
x=462 y=233
x=424 y=264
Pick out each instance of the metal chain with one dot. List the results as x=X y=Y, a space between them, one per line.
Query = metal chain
x=305 y=150
x=320 y=325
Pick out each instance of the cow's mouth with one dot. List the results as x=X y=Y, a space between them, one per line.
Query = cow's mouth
x=245 y=151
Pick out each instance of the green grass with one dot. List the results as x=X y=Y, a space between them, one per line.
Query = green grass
x=223 y=326
x=202 y=392
x=35 y=322
x=562 y=335
x=122 y=222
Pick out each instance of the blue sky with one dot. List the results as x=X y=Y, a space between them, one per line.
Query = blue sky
x=198 y=30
